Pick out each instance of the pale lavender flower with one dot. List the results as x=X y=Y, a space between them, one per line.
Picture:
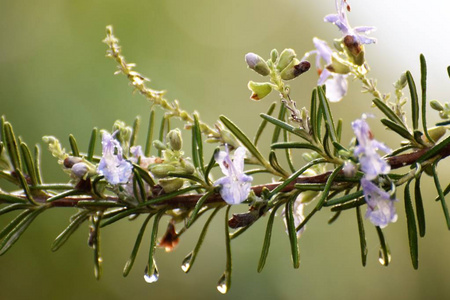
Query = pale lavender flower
x=341 y=21
x=112 y=164
x=298 y=208
x=371 y=163
x=235 y=185
x=336 y=84
x=380 y=205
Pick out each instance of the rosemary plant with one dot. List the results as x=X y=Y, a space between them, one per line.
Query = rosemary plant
x=124 y=181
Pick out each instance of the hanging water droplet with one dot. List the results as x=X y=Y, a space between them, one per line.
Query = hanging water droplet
x=186 y=264
x=152 y=275
x=222 y=285
x=383 y=260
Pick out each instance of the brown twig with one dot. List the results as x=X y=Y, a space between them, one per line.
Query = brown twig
x=188 y=201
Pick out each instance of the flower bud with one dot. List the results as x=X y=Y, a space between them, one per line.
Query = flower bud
x=187 y=166
x=308 y=196
x=436 y=105
x=175 y=139
x=294 y=69
x=337 y=65
x=171 y=184
x=435 y=133
x=354 y=50
x=400 y=84
x=71 y=160
x=159 y=145
x=260 y=90
x=256 y=63
x=125 y=132
x=286 y=58
x=162 y=170
x=229 y=139
x=80 y=169
x=274 y=55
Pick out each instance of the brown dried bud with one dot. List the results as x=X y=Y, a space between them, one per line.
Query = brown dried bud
x=170 y=239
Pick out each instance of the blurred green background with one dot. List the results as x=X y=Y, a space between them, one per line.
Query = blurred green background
x=55 y=80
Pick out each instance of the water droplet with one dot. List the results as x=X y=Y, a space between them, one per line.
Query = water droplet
x=186 y=264
x=381 y=259
x=222 y=286
x=152 y=275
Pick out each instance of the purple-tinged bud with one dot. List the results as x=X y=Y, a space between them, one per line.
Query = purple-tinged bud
x=256 y=63
x=80 y=169
x=295 y=69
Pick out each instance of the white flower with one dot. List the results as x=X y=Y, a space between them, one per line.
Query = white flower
x=235 y=185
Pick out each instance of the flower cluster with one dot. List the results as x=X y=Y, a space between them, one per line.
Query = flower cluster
x=334 y=72
x=380 y=205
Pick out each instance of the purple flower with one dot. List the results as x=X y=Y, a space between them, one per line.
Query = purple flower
x=112 y=164
x=341 y=21
x=235 y=185
x=380 y=206
x=336 y=84
x=371 y=163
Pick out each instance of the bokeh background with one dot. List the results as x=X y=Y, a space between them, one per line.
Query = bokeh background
x=55 y=80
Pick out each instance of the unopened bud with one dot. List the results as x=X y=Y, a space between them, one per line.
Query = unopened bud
x=162 y=170
x=436 y=105
x=256 y=63
x=187 y=166
x=80 y=169
x=308 y=196
x=71 y=160
x=400 y=84
x=294 y=69
x=124 y=134
x=274 y=55
x=337 y=65
x=286 y=58
x=259 y=90
x=435 y=133
x=159 y=145
x=171 y=184
x=175 y=139
x=229 y=139
x=354 y=49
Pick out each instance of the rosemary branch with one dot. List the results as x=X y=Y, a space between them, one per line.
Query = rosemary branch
x=189 y=201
